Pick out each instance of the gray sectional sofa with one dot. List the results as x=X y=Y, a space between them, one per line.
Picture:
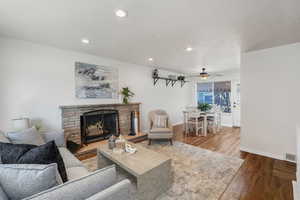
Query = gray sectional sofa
x=99 y=185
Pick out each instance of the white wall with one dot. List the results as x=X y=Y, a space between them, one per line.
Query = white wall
x=36 y=79
x=270 y=96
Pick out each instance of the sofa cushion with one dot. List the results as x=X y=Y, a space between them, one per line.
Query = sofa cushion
x=3 y=138
x=81 y=188
x=76 y=172
x=160 y=130
x=69 y=159
x=21 y=181
x=119 y=190
x=28 y=136
x=3 y=195
x=31 y=154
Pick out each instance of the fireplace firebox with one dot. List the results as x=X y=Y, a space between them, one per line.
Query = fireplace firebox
x=99 y=125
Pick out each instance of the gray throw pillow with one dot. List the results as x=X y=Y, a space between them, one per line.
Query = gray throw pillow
x=3 y=196
x=19 y=181
x=28 y=136
x=80 y=188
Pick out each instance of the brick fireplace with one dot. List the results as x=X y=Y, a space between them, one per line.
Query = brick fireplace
x=71 y=118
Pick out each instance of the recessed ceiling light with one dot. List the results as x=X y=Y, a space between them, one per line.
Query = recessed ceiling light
x=121 y=13
x=85 y=41
x=150 y=59
x=189 y=49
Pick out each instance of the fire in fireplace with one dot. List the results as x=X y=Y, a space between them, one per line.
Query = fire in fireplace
x=99 y=125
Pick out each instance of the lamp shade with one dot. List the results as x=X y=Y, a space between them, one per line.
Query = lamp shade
x=20 y=124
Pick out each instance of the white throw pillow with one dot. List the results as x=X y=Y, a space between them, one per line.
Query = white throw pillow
x=27 y=136
x=3 y=138
x=160 y=121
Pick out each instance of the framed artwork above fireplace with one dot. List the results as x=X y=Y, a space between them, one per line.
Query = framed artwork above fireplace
x=96 y=81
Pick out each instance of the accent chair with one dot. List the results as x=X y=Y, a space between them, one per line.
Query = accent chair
x=159 y=126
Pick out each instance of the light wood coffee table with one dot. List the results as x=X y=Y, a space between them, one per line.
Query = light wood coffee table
x=151 y=171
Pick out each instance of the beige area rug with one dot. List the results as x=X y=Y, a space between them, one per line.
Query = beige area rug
x=198 y=174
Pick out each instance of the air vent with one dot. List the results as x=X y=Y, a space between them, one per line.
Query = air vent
x=290 y=157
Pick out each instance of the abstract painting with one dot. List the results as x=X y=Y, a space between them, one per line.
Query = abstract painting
x=96 y=81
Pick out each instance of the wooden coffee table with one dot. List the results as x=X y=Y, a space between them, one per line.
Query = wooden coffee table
x=151 y=170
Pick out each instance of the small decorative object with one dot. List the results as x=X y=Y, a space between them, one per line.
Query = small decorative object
x=112 y=142
x=204 y=107
x=180 y=78
x=134 y=123
x=155 y=73
x=129 y=149
x=126 y=93
x=96 y=81
x=20 y=124
x=120 y=143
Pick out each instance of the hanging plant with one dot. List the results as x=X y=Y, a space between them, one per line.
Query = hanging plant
x=126 y=93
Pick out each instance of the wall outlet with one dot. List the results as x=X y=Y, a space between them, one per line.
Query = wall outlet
x=290 y=157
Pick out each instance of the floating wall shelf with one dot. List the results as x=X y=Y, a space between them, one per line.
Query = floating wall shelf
x=169 y=81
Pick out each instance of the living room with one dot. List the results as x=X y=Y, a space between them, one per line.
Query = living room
x=203 y=95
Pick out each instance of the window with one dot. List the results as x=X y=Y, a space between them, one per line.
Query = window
x=218 y=93
x=205 y=93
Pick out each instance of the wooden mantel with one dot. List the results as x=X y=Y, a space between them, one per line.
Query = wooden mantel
x=96 y=105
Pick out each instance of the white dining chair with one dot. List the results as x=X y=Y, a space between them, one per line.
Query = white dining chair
x=195 y=121
x=214 y=119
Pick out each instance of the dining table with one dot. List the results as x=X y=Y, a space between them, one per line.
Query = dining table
x=205 y=114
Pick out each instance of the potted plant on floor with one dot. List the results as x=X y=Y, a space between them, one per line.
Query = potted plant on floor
x=126 y=93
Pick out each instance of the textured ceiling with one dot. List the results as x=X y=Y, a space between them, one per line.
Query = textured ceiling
x=218 y=30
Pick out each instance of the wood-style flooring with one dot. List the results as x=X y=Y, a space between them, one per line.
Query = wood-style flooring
x=259 y=178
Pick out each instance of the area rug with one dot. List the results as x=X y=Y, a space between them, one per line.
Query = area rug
x=198 y=174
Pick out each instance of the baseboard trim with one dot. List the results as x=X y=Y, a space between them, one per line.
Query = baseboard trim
x=262 y=153
x=226 y=125
x=296 y=190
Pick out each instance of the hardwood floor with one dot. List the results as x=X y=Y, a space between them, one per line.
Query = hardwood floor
x=259 y=178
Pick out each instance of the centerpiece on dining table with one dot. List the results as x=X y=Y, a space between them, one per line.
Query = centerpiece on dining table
x=204 y=107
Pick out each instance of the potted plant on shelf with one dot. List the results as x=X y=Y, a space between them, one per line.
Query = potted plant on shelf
x=126 y=93
x=204 y=107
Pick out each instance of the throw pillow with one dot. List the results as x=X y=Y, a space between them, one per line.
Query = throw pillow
x=28 y=136
x=32 y=154
x=160 y=121
x=21 y=181
x=81 y=188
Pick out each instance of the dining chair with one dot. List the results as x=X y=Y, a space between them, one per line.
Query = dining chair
x=214 y=119
x=195 y=121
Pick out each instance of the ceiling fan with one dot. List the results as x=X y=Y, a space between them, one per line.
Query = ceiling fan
x=204 y=75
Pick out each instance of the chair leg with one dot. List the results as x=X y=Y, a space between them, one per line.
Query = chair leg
x=149 y=141
x=171 y=141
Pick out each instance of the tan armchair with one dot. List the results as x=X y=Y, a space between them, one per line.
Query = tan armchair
x=160 y=131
